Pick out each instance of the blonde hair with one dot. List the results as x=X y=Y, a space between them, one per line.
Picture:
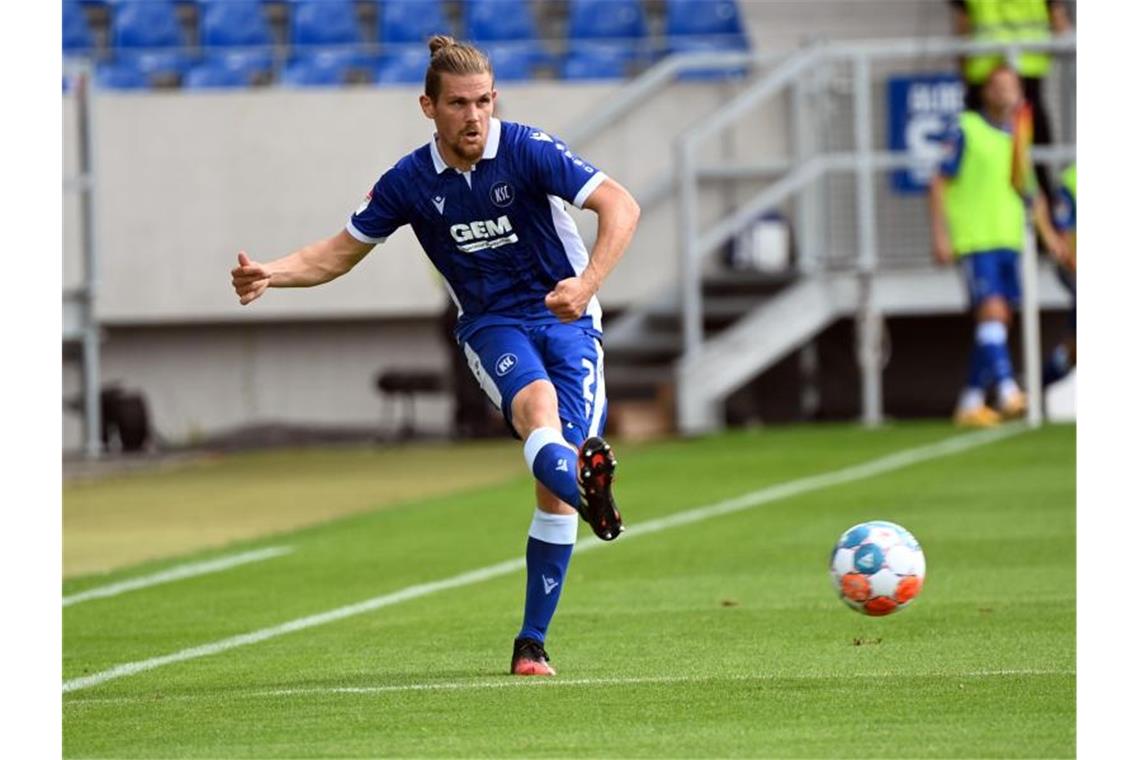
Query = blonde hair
x=451 y=57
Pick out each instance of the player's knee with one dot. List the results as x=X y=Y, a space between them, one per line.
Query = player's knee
x=994 y=308
x=535 y=406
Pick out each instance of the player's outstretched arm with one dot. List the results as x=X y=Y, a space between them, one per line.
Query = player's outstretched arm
x=315 y=264
x=617 y=214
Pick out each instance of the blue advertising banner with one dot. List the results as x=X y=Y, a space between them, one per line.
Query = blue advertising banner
x=919 y=108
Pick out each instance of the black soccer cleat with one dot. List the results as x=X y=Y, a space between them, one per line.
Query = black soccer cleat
x=596 y=465
x=530 y=659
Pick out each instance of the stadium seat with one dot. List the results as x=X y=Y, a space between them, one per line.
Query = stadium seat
x=490 y=22
x=500 y=20
x=411 y=21
x=597 y=61
x=325 y=23
x=406 y=66
x=120 y=76
x=322 y=68
x=606 y=19
x=76 y=34
x=256 y=64
x=706 y=18
x=148 y=36
x=236 y=23
x=212 y=75
x=511 y=62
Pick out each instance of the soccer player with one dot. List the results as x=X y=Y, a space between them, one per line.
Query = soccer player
x=978 y=217
x=1063 y=357
x=486 y=200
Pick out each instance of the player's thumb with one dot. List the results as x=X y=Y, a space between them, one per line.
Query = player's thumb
x=243 y=259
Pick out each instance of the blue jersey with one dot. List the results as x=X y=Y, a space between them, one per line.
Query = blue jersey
x=499 y=234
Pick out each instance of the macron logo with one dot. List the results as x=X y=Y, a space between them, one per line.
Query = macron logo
x=562 y=466
x=541 y=136
x=549 y=584
x=438 y=202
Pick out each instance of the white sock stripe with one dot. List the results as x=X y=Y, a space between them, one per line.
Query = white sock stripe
x=991 y=332
x=599 y=392
x=539 y=438
x=554 y=529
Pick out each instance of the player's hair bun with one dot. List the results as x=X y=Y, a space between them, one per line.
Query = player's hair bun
x=438 y=42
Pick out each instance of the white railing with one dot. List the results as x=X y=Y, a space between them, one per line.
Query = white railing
x=863 y=162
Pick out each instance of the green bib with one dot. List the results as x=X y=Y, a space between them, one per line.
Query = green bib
x=983 y=210
x=1008 y=21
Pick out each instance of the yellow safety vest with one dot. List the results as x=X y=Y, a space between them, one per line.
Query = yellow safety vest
x=1008 y=21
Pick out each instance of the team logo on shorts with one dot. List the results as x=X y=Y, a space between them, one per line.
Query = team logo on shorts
x=505 y=364
x=502 y=194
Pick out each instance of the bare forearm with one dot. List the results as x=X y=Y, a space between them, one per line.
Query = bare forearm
x=935 y=205
x=315 y=264
x=617 y=223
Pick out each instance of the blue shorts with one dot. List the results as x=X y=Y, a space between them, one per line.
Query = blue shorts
x=993 y=273
x=507 y=358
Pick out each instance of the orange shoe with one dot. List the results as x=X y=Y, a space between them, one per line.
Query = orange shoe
x=1014 y=405
x=530 y=659
x=980 y=416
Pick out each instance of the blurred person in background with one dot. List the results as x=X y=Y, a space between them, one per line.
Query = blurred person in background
x=1063 y=357
x=978 y=218
x=1013 y=21
x=486 y=200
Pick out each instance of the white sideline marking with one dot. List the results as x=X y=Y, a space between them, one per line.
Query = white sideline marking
x=177 y=573
x=508 y=682
x=766 y=495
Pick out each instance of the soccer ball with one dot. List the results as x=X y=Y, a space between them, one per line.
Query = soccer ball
x=877 y=567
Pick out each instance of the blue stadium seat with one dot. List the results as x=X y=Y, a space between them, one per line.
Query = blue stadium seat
x=148 y=36
x=511 y=62
x=606 y=19
x=257 y=64
x=595 y=60
x=236 y=23
x=705 y=18
x=120 y=76
x=76 y=34
x=321 y=68
x=500 y=20
x=490 y=22
x=213 y=75
x=325 y=22
x=406 y=66
x=411 y=21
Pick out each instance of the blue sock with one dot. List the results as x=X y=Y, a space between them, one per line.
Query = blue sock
x=1056 y=365
x=554 y=463
x=991 y=339
x=977 y=376
x=548 y=552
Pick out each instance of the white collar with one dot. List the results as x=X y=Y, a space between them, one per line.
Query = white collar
x=490 y=150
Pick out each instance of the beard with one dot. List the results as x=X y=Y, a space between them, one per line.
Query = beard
x=469 y=151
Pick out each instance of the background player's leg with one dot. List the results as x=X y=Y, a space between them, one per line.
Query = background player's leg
x=993 y=338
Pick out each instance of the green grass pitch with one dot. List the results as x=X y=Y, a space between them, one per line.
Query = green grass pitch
x=718 y=638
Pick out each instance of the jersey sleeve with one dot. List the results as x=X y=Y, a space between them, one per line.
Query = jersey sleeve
x=380 y=214
x=953 y=143
x=556 y=170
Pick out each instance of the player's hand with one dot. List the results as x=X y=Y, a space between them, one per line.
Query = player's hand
x=249 y=279
x=943 y=252
x=569 y=298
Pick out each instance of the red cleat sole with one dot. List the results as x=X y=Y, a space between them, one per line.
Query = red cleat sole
x=532 y=668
